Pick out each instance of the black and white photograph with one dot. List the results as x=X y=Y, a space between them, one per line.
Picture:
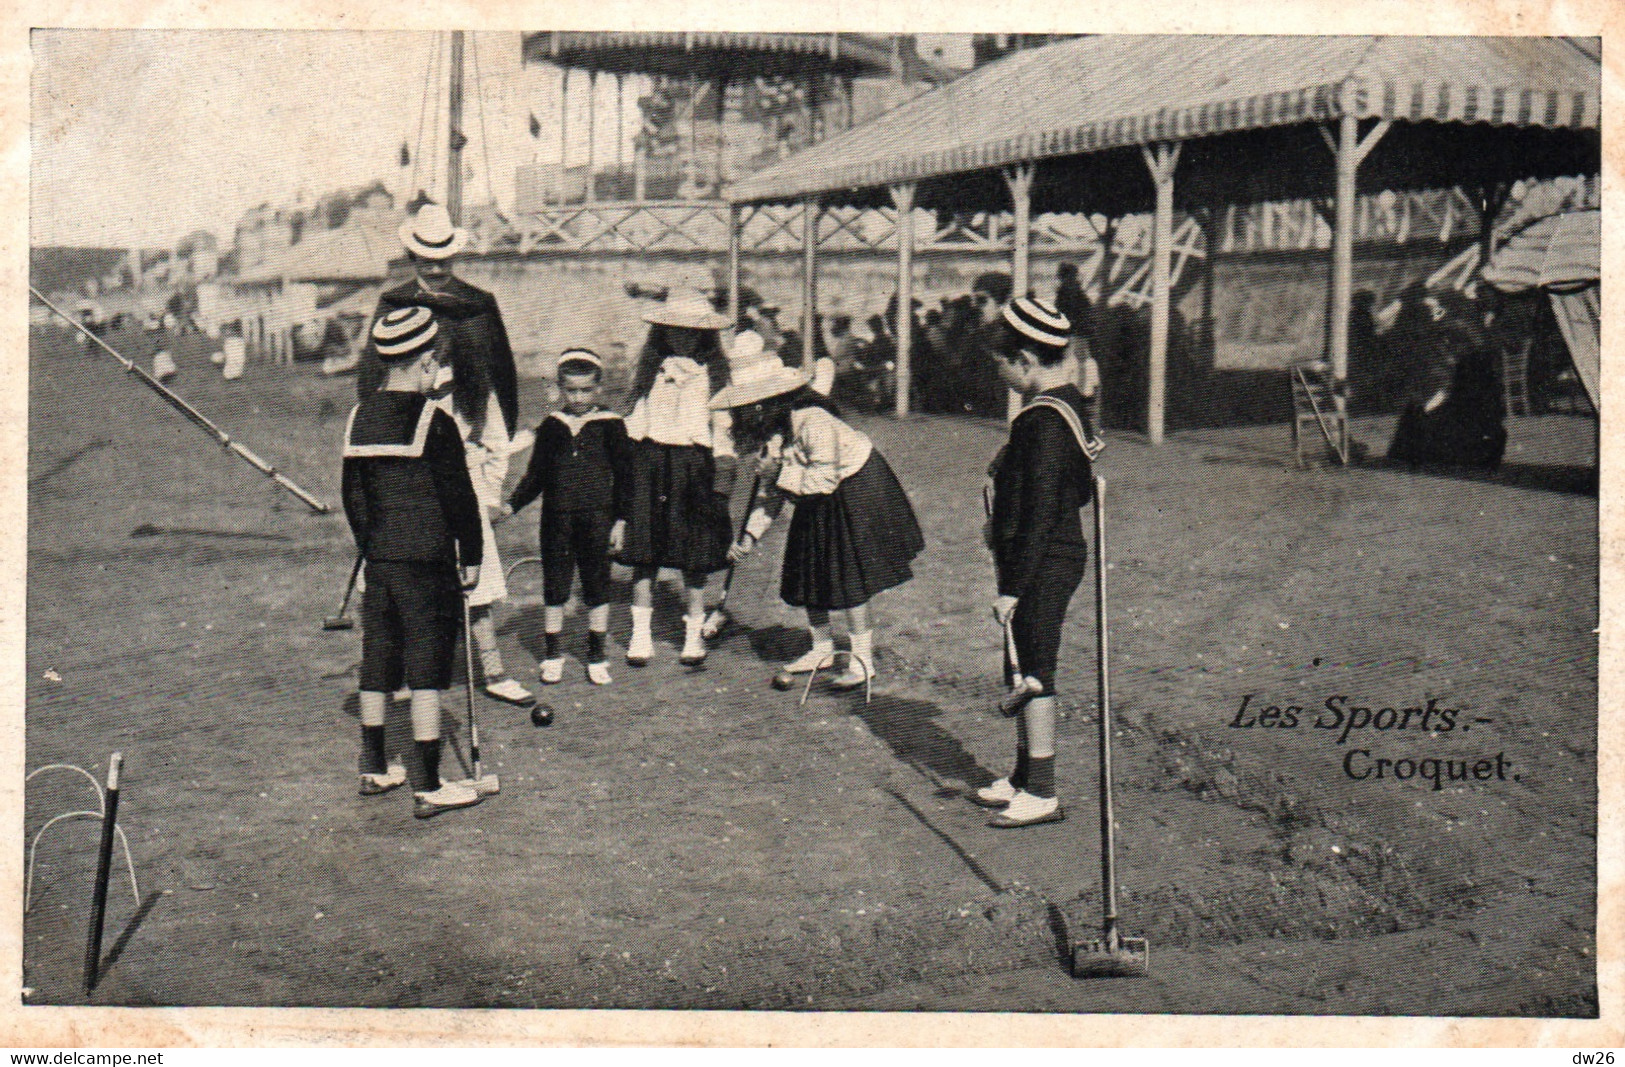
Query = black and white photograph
x=1083 y=524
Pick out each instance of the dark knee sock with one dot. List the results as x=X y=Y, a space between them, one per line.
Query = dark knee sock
x=1018 y=777
x=429 y=753
x=595 y=646
x=1041 y=776
x=552 y=645
x=372 y=750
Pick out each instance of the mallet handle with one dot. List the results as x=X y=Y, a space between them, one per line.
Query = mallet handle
x=468 y=653
x=1108 y=850
x=193 y=414
x=104 y=863
x=750 y=502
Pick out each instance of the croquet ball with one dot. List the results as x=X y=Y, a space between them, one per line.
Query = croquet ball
x=782 y=681
x=541 y=715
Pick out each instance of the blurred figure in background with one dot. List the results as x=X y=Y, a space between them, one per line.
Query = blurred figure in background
x=1453 y=412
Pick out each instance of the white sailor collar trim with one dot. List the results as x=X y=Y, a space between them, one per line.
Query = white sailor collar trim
x=410 y=450
x=575 y=423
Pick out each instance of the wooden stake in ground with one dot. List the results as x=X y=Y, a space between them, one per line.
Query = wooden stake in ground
x=104 y=863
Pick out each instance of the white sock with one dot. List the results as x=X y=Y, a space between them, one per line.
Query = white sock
x=693 y=643
x=642 y=622
x=863 y=648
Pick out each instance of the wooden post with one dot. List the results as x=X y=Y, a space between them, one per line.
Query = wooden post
x=902 y=197
x=104 y=867
x=811 y=214
x=1161 y=161
x=1350 y=150
x=734 y=225
x=1019 y=179
x=620 y=126
x=592 y=137
x=454 y=156
x=564 y=135
x=720 y=86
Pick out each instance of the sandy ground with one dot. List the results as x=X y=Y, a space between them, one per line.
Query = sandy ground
x=694 y=839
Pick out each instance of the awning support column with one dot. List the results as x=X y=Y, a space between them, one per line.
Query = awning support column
x=1160 y=160
x=1350 y=150
x=1020 y=181
x=811 y=215
x=734 y=225
x=592 y=136
x=620 y=130
x=902 y=197
x=564 y=135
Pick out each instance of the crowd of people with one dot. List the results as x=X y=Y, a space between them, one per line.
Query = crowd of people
x=425 y=461
x=951 y=347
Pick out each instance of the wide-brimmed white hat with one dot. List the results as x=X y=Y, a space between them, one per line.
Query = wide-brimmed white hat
x=430 y=233
x=687 y=308
x=755 y=374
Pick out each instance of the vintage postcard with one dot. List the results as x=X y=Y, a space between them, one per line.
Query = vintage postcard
x=1030 y=527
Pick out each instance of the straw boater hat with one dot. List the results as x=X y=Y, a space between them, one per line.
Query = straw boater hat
x=1038 y=322
x=430 y=233
x=755 y=374
x=687 y=308
x=403 y=334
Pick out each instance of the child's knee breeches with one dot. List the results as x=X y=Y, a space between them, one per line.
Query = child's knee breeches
x=1036 y=626
x=410 y=617
x=576 y=542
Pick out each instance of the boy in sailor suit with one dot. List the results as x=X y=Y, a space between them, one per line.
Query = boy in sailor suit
x=414 y=515
x=581 y=468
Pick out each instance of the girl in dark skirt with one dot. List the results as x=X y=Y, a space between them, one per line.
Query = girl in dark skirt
x=682 y=467
x=854 y=533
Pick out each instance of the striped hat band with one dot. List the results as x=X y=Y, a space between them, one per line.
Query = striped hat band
x=404 y=332
x=1038 y=321
x=580 y=355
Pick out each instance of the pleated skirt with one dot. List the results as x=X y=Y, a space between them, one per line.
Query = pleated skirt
x=677 y=518
x=846 y=547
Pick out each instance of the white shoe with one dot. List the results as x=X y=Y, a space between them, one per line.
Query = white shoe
x=392 y=778
x=401 y=695
x=598 y=673
x=819 y=657
x=694 y=650
x=859 y=670
x=552 y=671
x=860 y=663
x=450 y=795
x=510 y=692
x=1025 y=809
x=997 y=795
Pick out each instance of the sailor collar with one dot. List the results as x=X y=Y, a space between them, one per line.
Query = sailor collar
x=575 y=423
x=412 y=449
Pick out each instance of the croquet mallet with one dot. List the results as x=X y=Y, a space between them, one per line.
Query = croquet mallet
x=483 y=784
x=1022 y=688
x=342 y=620
x=1021 y=691
x=719 y=617
x=1112 y=955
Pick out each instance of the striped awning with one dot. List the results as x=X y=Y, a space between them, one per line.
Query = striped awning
x=1096 y=93
x=1559 y=252
x=718 y=54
